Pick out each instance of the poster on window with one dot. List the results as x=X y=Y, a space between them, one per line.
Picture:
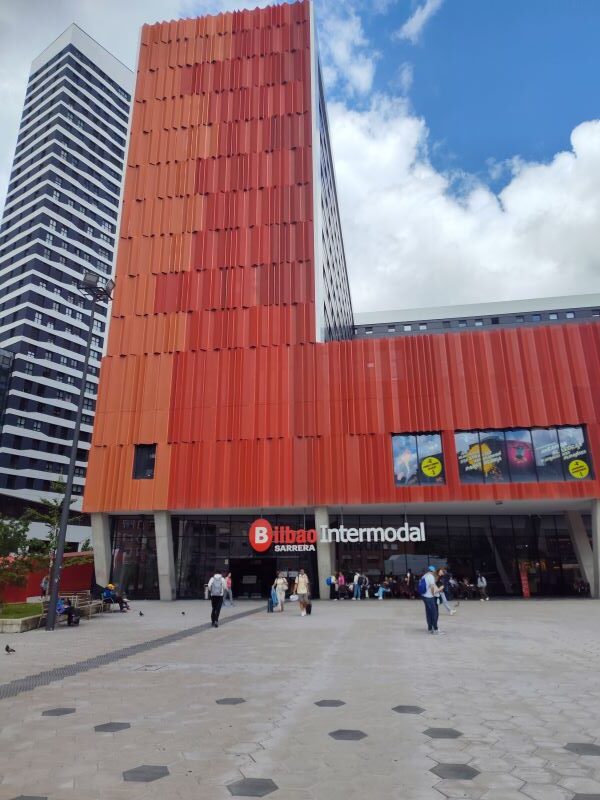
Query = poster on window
x=519 y=453
x=470 y=465
x=431 y=459
x=493 y=456
x=548 y=459
x=406 y=462
x=577 y=464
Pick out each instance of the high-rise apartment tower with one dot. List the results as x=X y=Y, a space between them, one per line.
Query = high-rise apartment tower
x=60 y=219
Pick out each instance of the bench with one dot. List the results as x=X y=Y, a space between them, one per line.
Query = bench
x=84 y=602
x=44 y=615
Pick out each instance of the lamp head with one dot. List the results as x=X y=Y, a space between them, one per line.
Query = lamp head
x=90 y=280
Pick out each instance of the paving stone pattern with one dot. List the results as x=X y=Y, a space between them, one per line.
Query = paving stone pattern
x=146 y=773
x=252 y=787
x=516 y=683
x=230 y=701
x=330 y=703
x=49 y=676
x=112 y=727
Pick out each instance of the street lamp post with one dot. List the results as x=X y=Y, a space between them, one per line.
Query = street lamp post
x=91 y=287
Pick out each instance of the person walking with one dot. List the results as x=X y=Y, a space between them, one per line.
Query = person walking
x=482 y=587
x=442 y=583
x=302 y=589
x=216 y=590
x=280 y=585
x=228 y=593
x=341 y=585
x=356 y=586
x=332 y=583
x=44 y=586
x=428 y=590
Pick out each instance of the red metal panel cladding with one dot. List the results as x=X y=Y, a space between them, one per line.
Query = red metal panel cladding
x=212 y=352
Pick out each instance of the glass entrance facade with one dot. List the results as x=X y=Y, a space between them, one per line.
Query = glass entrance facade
x=512 y=551
x=518 y=554
x=203 y=544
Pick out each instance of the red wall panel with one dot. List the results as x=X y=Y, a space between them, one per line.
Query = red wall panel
x=212 y=352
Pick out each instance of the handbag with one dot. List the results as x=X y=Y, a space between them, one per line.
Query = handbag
x=293 y=597
x=274 y=598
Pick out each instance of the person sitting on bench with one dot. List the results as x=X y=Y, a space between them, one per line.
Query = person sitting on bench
x=110 y=595
x=66 y=607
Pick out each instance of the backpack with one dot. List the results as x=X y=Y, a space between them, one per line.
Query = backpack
x=217 y=587
x=422 y=586
x=328 y=581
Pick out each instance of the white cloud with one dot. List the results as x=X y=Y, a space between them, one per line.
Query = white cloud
x=347 y=63
x=414 y=25
x=412 y=241
x=405 y=77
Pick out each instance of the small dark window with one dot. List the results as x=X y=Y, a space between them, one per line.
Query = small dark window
x=536 y=317
x=495 y=320
x=446 y=323
x=143 y=462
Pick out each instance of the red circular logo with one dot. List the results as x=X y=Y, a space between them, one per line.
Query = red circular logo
x=261 y=535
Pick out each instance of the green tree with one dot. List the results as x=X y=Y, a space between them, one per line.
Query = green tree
x=13 y=536
x=15 y=560
x=50 y=513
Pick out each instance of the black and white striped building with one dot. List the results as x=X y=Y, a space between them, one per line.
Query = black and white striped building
x=60 y=219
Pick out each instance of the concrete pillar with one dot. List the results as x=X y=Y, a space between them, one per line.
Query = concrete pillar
x=595 y=585
x=102 y=548
x=164 y=555
x=586 y=557
x=325 y=552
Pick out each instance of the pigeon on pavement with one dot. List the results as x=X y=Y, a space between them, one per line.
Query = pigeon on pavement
x=9 y=649
x=141 y=613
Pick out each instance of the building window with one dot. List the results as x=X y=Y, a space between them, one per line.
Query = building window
x=36 y=425
x=462 y=323
x=144 y=460
x=446 y=323
x=422 y=326
x=519 y=318
x=536 y=317
x=368 y=330
x=570 y=315
x=523 y=455
x=407 y=327
x=391 y=329
x=418 y=459
x=478 y=323
x=553 y=315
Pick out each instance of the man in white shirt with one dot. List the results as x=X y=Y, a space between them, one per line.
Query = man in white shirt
x=428 y=590
x=216 y=590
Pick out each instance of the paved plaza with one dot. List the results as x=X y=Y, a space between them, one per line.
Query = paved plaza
x=356 y=701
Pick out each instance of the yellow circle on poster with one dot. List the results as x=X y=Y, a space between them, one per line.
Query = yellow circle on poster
x=579 y=469
x=431 y=466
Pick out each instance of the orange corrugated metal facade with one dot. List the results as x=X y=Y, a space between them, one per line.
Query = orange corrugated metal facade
x=212 y=351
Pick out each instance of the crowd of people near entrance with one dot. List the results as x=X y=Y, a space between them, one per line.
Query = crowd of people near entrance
x=358 y=586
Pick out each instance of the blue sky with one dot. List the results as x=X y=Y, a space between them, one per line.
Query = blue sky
x=494 y=78
x=465 y=135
